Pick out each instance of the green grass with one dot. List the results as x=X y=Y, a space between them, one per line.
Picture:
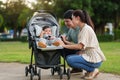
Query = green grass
x=112 y=53
x=19 y=52
x=14 y=52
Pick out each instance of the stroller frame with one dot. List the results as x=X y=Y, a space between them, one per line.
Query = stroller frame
x=32 y=68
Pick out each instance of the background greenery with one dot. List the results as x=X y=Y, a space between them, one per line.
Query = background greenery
x=19 y=52
x=14 y=14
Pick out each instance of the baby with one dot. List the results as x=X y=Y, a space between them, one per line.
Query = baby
x=46 y=38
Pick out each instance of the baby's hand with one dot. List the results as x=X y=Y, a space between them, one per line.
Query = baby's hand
x=52 y=37
x=41 y=34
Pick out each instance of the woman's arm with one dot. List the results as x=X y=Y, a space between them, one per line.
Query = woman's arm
x=68 y=42
x=73 y=46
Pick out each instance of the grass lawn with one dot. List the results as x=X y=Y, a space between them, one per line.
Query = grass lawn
x=112 y=53
x=19 y=52
x=14 y=52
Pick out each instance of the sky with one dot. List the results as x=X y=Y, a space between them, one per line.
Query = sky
x=3 y=0
x=26 y=0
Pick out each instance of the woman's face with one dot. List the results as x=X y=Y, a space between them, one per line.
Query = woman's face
x=75 y=20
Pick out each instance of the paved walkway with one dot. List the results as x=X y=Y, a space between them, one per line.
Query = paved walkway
x=16 y=71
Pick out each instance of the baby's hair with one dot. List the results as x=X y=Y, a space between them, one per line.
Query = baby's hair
x=45 y=27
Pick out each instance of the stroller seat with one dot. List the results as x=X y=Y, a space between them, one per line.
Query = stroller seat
x=37 y=32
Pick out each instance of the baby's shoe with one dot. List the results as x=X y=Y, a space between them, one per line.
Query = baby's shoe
x=42 y=45
x=56 y=43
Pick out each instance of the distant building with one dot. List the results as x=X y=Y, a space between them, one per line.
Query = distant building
x=24 y=32
x=109 y=28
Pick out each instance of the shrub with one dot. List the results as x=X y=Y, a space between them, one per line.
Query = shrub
x=105 y=38
x=23 y=39
x=9 y=39
x=117 y=34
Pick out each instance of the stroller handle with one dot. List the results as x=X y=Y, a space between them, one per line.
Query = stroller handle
x=47 y=11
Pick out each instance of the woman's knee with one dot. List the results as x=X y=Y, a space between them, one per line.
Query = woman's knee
x=69 y=59
x=73 y=58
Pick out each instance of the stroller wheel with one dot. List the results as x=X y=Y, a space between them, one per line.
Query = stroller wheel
x=59 y=71
x=26 y=71
x=61 y=74
x=31 y=74
x=68 y=73
x=39 y=74
x=52 y=71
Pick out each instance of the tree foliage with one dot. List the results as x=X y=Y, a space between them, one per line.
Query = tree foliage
x=101 y=11
x=16 y=12
x=105 y=11
x=1 y=15
x=1 y=20
x=23 y=17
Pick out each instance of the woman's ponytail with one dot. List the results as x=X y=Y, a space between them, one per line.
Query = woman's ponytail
x=84 y=17
x=88 y=19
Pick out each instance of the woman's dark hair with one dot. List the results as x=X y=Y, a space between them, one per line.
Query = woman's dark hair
x=84 y=16
x=45 y=27
x=68 y=14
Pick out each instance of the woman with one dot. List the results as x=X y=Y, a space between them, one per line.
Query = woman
x=90 y=57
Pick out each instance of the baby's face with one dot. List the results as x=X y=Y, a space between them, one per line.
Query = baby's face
x=48 y=31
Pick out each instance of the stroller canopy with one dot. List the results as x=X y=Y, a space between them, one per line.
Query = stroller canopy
x=40 y=19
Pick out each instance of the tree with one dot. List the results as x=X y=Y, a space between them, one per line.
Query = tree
x=101 y=11
x=1 y=20
x=15 y=12
x=106 y=11
x=1 y=15
x=23 y=18
x=44 y=5
x=12 y=13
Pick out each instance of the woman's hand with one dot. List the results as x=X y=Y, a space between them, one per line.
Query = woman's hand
x=63 y=38
x=61 y=42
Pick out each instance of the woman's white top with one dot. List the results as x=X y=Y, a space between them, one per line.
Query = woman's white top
x=91 y=51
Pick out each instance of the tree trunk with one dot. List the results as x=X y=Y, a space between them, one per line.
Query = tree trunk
x=15 y=32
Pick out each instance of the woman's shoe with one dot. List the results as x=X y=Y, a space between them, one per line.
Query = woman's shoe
x=91 y=75
x=85 y=74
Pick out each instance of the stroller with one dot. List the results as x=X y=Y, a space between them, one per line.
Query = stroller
x=44 y=58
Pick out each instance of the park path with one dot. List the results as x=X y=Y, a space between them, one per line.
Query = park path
x=16 y=71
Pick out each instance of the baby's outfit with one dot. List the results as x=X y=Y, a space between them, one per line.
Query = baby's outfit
x=47 y=41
